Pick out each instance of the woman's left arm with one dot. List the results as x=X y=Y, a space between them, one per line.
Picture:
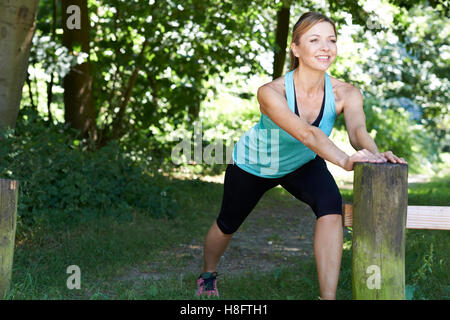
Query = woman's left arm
x=355 y=122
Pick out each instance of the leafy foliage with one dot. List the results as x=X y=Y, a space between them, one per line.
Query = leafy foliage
x=178 y=51
x=402 y=58
x=61 y=182
x=392 y=129
x=187 y=43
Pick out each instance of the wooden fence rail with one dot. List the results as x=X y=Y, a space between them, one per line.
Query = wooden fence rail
x=417 y=217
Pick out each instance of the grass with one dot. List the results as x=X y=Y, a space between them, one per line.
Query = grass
x=427 y=252
x=108 y=249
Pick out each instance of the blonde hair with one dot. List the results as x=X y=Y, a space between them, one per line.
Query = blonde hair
x=306 y=21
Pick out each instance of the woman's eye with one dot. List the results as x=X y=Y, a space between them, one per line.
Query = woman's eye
x=313 y=40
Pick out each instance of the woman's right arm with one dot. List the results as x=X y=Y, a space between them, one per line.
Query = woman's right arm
x=274 y=105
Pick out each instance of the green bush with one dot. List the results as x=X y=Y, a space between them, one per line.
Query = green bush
x=392 y=129
x=60 y=181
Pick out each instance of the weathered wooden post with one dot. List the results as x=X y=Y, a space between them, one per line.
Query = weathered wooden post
x=8 y=212
x=380 y=202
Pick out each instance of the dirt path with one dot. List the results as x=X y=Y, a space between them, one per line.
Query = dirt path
x=273 y=235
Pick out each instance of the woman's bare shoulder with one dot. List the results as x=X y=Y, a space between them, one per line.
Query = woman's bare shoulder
x=343 y=90
x=276 y=85
x=271 y=93
x=341 y=87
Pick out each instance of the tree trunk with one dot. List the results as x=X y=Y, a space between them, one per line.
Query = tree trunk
x=281 y=40
x=17 y=26
x=380 y=204
x=79 y=109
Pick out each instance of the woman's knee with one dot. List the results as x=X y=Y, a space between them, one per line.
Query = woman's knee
x=224 y=228
x=330 y=218
x=331 y=205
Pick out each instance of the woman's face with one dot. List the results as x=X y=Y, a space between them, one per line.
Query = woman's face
x=317 y=47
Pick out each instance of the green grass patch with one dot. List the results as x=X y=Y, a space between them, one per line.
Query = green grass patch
x=107 y=250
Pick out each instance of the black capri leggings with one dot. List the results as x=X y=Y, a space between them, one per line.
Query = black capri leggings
x=312 y=183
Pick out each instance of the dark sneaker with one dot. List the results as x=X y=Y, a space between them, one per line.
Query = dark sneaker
x=206 y=284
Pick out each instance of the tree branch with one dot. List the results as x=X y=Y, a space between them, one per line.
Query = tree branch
x=117 y=125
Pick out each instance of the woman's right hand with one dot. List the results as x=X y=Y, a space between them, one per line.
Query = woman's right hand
x=363 y=155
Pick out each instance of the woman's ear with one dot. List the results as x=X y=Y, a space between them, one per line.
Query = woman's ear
x=294 y=52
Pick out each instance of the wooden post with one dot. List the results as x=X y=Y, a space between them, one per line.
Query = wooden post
x=380 y=202
x=8 y=212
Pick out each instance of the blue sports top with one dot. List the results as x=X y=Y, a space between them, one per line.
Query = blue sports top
x=268 y=151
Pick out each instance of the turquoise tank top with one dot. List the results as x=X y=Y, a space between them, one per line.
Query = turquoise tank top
x=268 y=151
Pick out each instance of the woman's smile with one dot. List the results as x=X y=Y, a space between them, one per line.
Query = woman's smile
x=323 y=58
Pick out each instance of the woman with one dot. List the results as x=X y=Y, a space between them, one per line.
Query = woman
x=288 y=147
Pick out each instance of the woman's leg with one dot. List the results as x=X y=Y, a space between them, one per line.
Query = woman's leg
x=314 y=185
x=328 y=253
x=242 y=191
x=216 y=243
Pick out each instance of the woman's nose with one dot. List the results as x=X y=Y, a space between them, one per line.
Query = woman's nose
x=325 y=46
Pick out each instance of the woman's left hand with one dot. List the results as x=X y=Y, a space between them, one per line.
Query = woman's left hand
x=391 y=157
